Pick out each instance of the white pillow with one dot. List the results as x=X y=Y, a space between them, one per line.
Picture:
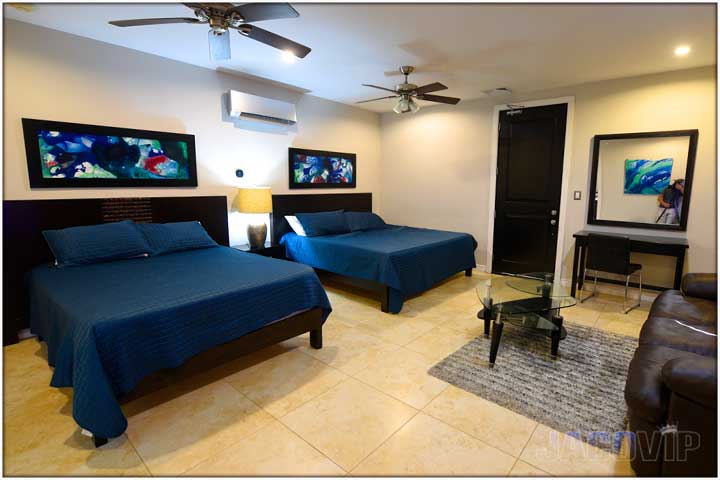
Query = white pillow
x=295 y=225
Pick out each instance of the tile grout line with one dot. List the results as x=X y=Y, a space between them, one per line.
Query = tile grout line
x=312 y=446
x=383 y=442
x=525 y=446
x=398 y=429
x=301 y=404
x=348 y=471
x=242 y=437
x=417 y=412
x=473 y=436
x=137 y=452
x=517 y=459
x=391 y=395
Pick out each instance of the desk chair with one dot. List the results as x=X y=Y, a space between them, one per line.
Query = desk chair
x=611 y=254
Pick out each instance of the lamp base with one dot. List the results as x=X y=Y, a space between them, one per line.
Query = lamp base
x=256 y=235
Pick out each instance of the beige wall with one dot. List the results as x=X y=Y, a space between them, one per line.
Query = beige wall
x=436 y=163
x=56 y=76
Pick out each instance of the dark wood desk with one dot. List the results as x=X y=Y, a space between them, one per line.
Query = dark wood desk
x=654 y=244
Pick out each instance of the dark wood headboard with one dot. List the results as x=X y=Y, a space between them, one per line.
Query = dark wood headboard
x=308 y=203
x=24 y=246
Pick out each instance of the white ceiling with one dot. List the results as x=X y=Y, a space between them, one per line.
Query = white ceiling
x=471 y=48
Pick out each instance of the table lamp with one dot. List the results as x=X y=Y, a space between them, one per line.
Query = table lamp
x=254 y=200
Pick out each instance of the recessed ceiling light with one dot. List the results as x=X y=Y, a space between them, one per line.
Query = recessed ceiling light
x=288 y=56
x=682 y=50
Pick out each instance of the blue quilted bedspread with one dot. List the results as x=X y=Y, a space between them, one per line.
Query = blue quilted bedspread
x=408 y=260
x=108 y=325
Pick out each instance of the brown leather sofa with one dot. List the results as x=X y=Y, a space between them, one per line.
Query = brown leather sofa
x=671 y=389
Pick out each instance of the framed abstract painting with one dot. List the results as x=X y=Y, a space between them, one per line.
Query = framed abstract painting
x=647 y=177
x=321 y=169
x=642 y=180
x=73 y=155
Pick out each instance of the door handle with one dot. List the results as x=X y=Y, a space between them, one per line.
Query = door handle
x=553 y=222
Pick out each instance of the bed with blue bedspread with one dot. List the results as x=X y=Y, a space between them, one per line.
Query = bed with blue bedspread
x=108 y=325
x=407 y=260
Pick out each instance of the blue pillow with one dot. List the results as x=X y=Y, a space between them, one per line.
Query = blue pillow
x=96 y=243
x=323 y=223
x=363 y=221
x=175 y=237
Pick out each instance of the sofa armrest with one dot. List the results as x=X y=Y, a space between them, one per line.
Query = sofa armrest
x=693 y=378
x=700 y=285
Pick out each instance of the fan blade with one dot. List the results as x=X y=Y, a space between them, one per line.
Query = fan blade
x=256 y=12
x=439 y=99
x=274 y=40
x=381 y=88
x=219 y=45
x=152 y=21
x=432 y=87
x=375 y=99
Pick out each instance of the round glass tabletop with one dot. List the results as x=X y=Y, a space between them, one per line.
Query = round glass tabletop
x=538 y=283
x=541 y=294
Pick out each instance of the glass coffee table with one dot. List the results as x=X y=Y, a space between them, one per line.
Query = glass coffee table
x=537 y=306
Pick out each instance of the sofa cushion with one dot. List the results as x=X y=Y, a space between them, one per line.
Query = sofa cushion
x=681 y=335
x=700 y=285
x=690 y=310
x=645 y=393
x=692 y=378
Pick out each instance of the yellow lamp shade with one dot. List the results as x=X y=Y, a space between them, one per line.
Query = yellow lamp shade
x=253 y=200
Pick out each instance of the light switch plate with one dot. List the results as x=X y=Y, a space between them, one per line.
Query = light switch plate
x=577 y=195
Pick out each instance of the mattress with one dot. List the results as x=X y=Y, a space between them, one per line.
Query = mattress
x=109 y=325
x=408 y=260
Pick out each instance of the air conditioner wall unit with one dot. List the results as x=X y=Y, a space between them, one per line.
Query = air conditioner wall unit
x=252 y=107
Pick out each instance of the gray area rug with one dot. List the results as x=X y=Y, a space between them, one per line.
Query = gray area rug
x=580 y=393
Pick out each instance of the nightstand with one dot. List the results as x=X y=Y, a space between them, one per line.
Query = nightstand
x=269 y=250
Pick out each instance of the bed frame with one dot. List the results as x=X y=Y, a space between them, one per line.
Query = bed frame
x=24 y=248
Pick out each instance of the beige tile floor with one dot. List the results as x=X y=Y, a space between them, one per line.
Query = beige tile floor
x=363 y=405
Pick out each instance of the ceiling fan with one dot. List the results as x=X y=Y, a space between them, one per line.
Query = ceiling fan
x=221 y=17
x=409 y=92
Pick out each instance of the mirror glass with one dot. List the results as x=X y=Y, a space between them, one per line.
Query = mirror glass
x=642 y=180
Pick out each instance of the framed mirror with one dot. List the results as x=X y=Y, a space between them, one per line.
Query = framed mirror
x=642 y=180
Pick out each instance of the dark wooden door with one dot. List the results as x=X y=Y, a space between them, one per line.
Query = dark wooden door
x=531 y=142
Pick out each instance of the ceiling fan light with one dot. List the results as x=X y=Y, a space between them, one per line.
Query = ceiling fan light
x=219 y=45
x=406 y=105
x=414 y=107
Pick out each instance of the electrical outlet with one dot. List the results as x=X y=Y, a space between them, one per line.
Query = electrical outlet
x=577 y=195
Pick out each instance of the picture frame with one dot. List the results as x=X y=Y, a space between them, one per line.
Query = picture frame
x=321 y=169
x=74 y=155
x=688 y=161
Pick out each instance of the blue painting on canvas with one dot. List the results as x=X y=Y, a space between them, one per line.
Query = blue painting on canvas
x=82 y=155
x=647 y=177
